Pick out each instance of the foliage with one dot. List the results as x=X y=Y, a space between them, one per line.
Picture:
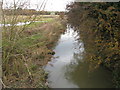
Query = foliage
x=26 y=52
x=104 y=32
x=19 y=11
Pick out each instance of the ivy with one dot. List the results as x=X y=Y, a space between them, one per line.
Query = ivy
x=106 y=33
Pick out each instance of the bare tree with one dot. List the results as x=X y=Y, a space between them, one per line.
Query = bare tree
x=0 y=47
x=12 y=33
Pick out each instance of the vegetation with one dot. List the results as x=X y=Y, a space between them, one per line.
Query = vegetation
x=27 y=48
x=28 y=18
x=26 y=52
x=20 y=11
x=98 y=24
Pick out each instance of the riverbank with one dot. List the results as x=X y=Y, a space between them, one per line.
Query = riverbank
x=98 y=24
x=25 y=56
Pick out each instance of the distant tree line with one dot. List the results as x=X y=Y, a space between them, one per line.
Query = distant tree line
x=20 y=11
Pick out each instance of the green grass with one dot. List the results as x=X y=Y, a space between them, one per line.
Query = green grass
x=34 y=24
x=31 y=40
x=23 y=18
x=0 y=42
x=31 y=48
x=43 y=19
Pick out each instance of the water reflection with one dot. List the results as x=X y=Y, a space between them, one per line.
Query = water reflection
x=64 y=51
x=79 y=74
x=69 y=70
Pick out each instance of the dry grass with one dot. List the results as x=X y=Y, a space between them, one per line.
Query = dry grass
x=24 y=58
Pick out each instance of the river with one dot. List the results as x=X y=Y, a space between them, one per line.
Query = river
x=20 y=23
x=67 y=69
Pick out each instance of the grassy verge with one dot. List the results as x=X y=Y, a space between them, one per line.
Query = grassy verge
x=25 y=55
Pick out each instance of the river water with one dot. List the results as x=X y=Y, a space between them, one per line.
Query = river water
x=20 y=23
x=67 y=68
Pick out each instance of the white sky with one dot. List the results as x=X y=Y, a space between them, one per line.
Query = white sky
x=51 y=5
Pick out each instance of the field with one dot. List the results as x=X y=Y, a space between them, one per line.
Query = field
x=26 y=49
x=25 y=18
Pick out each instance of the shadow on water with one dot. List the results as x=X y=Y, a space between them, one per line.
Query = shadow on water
x=67 y=68
x=80 y=75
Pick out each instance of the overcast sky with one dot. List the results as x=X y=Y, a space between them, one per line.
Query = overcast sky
x=51 y=5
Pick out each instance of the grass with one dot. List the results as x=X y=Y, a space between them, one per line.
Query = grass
x=33 y=24
x=25 y=18
x=31 y=40
x=25 y=54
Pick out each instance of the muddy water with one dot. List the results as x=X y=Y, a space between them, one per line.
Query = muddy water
x=67 y=68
